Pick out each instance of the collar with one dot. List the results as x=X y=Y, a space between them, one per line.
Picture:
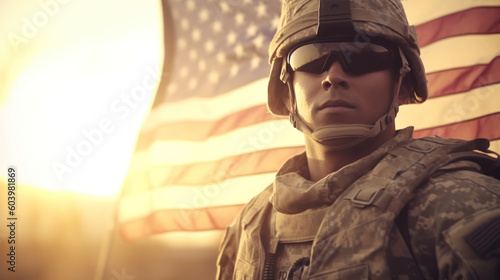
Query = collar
x=292 y=193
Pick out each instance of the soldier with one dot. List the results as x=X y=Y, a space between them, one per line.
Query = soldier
x=364 y=201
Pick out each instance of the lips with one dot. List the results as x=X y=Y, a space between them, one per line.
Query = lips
x=336 y=104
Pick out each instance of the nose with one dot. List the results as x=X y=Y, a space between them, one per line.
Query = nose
x=335 y=77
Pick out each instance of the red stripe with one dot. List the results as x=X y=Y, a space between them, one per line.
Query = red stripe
x=219 y=217
x=204 y=173
x=482 y=20
x=440 y=83
x=463 y=79
x=180 y=220
x=201 y=130
x=482 y=127
x=267 y=161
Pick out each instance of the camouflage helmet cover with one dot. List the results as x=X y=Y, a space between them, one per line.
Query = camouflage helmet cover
x=370 y=18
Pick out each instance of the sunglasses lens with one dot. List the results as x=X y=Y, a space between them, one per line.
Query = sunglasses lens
x=308 y=58
x=316 y=58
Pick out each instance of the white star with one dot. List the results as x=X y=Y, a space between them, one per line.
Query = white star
x=217 y=26
x=225 y=7
x=261 y=10
x=239 y=50
x=255 y=62
x=204 y=15
x=252 y=30
x=231 y=37
x=213 y=77
x=239 y=18
x=234 y=70
x=276 y=22
x=190 y=5
x=209 y=46
x=221 y=57
x=196 y=34
x=259 y=41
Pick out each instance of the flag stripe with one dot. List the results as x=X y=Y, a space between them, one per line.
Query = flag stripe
x=203 y=173
x=440 y=84
x=495 y=145
x=475 y=128
x=208 y=109
x=438 y=57
x=202 y=129
x=175 y=112
x=263 y=136
x=451 y=108
x=463 y=79
x=179 y=220
x=459 y=107
x=267 y=135
x=481 y=20
x=200 y=159
x=232 y=191
x=422 y=11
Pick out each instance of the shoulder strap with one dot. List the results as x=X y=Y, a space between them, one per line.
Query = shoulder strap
x=405 y=168
x=355 y=230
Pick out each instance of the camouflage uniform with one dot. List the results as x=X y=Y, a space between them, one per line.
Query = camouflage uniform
x=412 y=209
x=451 y=225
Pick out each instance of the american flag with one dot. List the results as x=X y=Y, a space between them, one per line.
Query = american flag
x=209 y=145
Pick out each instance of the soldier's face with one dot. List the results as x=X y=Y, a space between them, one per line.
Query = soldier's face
x=335 y=97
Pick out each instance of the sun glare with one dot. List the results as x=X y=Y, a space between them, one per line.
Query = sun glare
x=80 y=92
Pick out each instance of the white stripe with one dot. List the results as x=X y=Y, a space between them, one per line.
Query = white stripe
x=451 y=108
x=421 y=11
x=495 y=146
x=278 y=133
x=231 y=192
x=209 y=109
x=460 y=51
x=262 y=136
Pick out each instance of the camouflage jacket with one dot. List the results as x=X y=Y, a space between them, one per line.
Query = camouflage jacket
x=449 y=228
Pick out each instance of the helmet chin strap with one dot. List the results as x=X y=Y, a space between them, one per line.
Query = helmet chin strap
x=326 y=135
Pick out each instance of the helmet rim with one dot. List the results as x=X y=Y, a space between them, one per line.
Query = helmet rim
x=400 y=33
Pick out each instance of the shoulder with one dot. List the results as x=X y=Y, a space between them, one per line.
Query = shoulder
x=456 y=190
x=447 y=214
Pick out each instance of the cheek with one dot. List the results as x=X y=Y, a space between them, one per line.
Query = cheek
x=377 y=88
x=304 y=86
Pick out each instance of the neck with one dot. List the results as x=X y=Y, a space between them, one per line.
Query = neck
x=322 y=161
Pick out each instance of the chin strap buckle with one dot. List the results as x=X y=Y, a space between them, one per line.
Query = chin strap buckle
x=293 y=121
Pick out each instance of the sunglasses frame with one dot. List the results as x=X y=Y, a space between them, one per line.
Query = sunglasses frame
x=395 y=61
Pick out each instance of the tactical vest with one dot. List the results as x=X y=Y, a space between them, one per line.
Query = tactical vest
x=353 y=238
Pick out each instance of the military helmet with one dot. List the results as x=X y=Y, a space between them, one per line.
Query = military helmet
x=308 y=20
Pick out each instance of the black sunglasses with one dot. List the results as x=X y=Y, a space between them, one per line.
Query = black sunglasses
x=356 y=58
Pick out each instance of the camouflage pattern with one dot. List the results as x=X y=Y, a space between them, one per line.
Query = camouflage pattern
x=382 y=18
x=446 y=213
